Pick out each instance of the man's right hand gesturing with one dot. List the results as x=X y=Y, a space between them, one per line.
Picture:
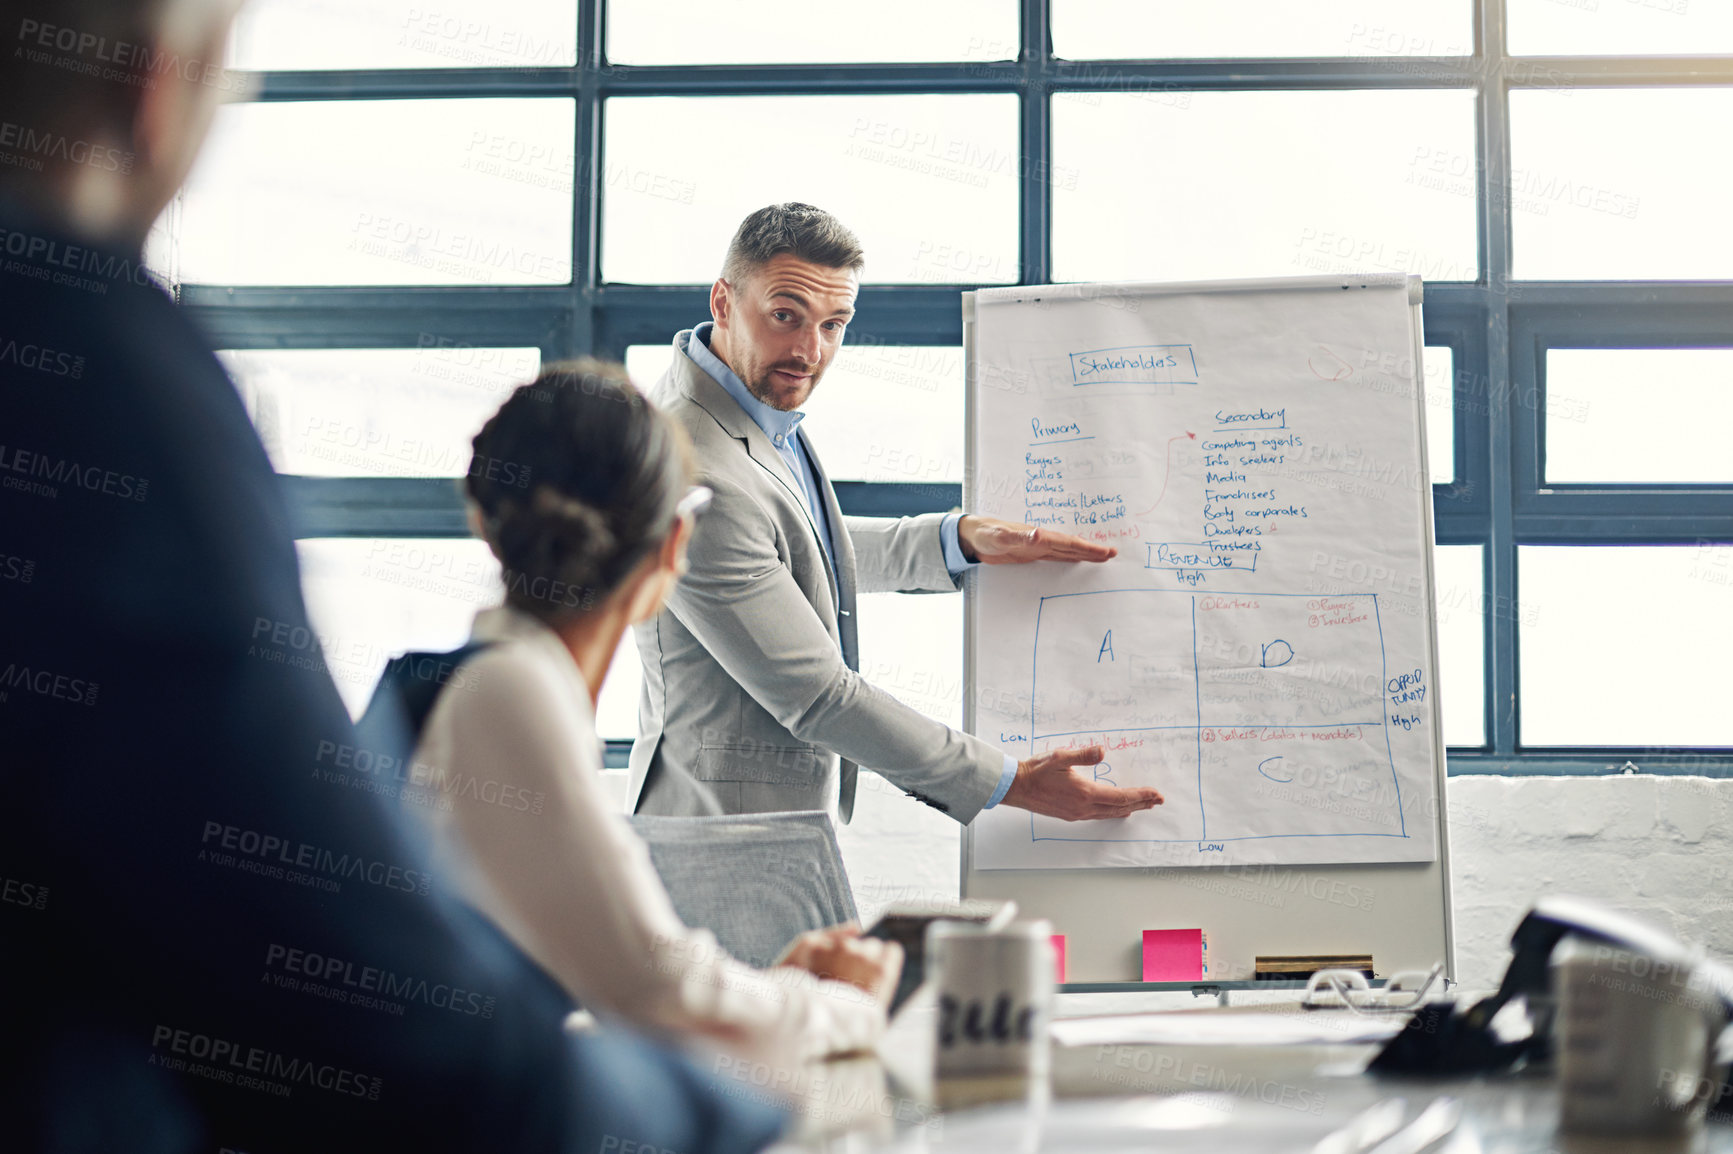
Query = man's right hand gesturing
x=1046 y=785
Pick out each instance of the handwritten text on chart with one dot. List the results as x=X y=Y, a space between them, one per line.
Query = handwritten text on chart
x=1203 y=555
x=1045 y=433
x=1135 y=365
x=1406 y=691
x=1049 y=500
x=1259 y=418
x=1238 y=504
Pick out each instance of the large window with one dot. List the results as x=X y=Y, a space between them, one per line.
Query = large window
x=416 y=207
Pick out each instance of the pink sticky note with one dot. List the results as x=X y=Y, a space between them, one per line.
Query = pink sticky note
x=1172 y=955
x=1059 y=955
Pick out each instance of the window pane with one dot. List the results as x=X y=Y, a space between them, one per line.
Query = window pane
x=1615 y=184
x=763 y=32
x=370 y=599
x=1129 y=29
x=1618 y=27
x=1619 y=645
x=320 y=34
x=928 y=183
x=383 y=192
x=1210 y=185
x=1636 y=416
x=912 y=648
x=645 y=364
x=1438 y=364
x=1459 y=591
x=376 y=412
x=882 y=412
x=617 y=709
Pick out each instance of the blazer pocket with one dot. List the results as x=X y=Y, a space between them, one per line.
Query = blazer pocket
x=757 y=761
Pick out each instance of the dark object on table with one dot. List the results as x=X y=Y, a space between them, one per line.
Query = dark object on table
x=907 y=925
x=1442 y=1038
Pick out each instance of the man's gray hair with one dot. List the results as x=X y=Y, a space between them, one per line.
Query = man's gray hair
x=811 y=234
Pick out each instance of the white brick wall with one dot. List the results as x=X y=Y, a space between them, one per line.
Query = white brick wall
x=1658 y=847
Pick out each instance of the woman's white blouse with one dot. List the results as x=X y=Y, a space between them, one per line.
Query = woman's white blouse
x=527 y=827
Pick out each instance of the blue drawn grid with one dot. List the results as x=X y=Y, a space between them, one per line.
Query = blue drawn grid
x=1198 y=726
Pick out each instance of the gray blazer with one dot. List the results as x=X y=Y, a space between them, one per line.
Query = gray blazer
x=748 y=703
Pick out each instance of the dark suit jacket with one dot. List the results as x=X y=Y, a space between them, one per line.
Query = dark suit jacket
x=212 y=933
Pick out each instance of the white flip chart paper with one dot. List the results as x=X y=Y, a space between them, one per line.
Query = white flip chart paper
x=1261 y=649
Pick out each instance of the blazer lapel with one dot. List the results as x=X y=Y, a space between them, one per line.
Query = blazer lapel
x=845 y=575
x=848 y=772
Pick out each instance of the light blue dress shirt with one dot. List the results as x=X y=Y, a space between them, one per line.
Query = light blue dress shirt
x=783 y=429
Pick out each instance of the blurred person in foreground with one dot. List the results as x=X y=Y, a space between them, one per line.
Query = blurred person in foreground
x=584 y=492
x=209 y=938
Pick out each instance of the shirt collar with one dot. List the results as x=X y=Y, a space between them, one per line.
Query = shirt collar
x=777 y=425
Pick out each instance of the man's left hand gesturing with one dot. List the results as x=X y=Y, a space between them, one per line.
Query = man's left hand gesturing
x=989 y=541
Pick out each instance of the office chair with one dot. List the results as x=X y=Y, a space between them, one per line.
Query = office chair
x=756 y=881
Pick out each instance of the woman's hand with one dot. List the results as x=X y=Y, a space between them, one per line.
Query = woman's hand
x=842 y=955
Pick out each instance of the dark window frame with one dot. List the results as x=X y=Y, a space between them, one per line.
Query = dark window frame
x=1499 y=330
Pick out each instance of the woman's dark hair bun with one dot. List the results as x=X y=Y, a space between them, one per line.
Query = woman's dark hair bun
x=577 y=477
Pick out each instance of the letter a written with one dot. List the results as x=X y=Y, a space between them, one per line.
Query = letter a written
x=1106 y=649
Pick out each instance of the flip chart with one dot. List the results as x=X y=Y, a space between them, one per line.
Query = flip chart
x=1261 y=650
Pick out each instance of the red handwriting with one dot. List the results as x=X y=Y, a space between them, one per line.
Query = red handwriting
x=1325 y=605
x=1278 y=733
x=1315 y=621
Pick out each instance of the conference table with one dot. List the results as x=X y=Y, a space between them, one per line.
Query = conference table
x=1202 y=1097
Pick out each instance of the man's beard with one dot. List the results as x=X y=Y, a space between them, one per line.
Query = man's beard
x=772 y=392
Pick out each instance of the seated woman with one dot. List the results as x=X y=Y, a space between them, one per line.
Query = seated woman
x=583 y=491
